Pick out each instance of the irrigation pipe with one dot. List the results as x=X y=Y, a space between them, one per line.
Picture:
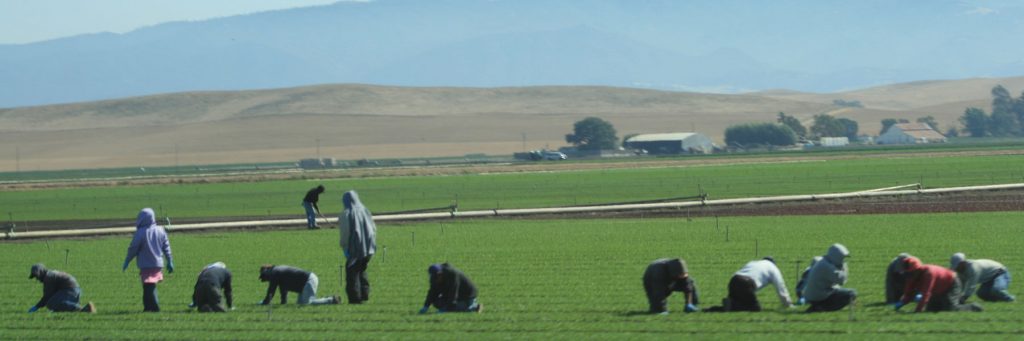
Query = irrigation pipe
x=532 y=211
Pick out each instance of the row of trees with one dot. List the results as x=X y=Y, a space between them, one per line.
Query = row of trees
x=1007 y=118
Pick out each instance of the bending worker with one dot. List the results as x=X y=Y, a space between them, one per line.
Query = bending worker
x=450 y=291
x=824 y=291
x=60 y=291
x=213 y=289
x=662 y=277
x=991 y=278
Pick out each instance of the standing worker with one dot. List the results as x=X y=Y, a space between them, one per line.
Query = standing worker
x=60 y=291
x=213 y=289
x=662 y=277
x=150 y=245
x=450 y=291
x=312 y=210
x=358 y=243
x=939 y=287
x=289 y=278
x=993 y=277
x=752 y=277
x=824 y=291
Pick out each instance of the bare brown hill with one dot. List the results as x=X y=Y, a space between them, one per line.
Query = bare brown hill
x=362 y=121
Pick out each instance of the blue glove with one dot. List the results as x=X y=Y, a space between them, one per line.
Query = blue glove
x=170 y=266
x=33 y=309
x=424 y=310
x=691 y=308
x=345 y=252
x=898 y=305
x=801 y=301
x=917 y=298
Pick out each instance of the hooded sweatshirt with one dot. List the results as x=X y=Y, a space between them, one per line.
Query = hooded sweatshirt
x=54 y=281
x=150 y=242
x=358 y=232
x=664 y=273
x=978 y=271
x=827 y=275
x=448 y=286
x=926 y=279
x=764 y=272
x=802 y=284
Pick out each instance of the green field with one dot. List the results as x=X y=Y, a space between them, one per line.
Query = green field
x=538 y=279
x=511 y=190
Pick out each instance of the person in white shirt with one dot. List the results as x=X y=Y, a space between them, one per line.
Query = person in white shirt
x=748 y=280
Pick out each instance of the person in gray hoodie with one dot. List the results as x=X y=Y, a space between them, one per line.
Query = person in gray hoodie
x=824 y=291
x=149 y=245
x=895 y=279
x=662 y=277
x=60 y=291
x=992 y=278
x=358 y=243
x=802 y=284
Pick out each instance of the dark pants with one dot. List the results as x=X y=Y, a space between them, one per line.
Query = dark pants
x=894 y=286
x=310 y=214
x=208 y=298
x=950 y=300
x=837 y=300
x=658 y=293
x=994 y=290
x=742 y=294
x=357 y=286
x=463 y=306
x=149 y=300
x=65 y=300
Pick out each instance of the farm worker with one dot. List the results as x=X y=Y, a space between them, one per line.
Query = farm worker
x=358 y=243
x=803 y=281
x=312 y=210
x=939 y=287
x=450 y=291
x=754 y=276
x=213 y=289
x=150 y=245
x=662 y=277
x=824 y=291
x=60 y=291
x=895 y=279
x=293 y=279
x=993 y=277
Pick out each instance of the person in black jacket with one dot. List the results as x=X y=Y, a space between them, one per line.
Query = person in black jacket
x=450 y=291
x=213 y=289
x=60 y=291
x=293 y=279
x=310 y=204
x=662 y=277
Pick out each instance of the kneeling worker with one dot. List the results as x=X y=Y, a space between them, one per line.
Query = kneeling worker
x=293 y=279
x=450 y=291
x=991 y=278
x=60 y=291
x=824 y=291
x=939 y=287
x=662 y=277
x=213 y=289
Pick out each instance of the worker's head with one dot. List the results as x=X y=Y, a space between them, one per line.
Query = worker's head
x=434 y=269
x=320 y=189
x=957 y=261
x=38 y=271
x=350 y=199
x=265 y=272
x=912 y=264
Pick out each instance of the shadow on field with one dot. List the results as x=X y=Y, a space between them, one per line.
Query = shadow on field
x=636 y=313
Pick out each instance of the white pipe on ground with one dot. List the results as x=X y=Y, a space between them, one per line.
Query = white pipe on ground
x=532 y=211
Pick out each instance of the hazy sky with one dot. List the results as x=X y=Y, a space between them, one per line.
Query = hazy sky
x=25 y=21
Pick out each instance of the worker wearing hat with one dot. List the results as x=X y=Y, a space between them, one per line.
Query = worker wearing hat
x=60 y=291
x=991 y=278
x=450 y=291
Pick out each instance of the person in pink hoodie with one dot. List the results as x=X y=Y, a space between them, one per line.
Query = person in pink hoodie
x=149 y=247
x=939 y=287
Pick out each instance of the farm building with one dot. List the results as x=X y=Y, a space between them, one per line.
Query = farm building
x=671 y=143
x=834 y=141
x=910 y=133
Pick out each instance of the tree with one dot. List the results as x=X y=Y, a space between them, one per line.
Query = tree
x=759 y=134
x=975 y=122
x=930 y=121
x=1002 y=124
x=886 y=123
x=592 y=133
x=827 y=126
x=1002 y=101
x=850 y=128
x=793 y=124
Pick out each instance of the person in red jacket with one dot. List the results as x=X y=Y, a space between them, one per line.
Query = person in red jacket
x=939 y=287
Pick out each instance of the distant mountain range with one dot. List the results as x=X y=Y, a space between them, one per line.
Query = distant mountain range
x=709 y=46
